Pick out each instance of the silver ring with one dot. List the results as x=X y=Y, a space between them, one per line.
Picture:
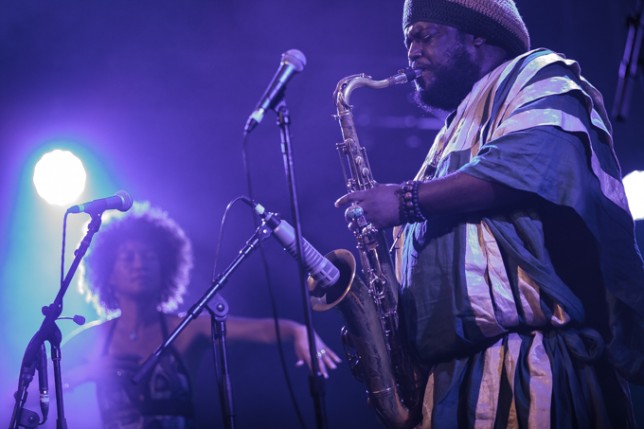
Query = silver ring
x=321 y=353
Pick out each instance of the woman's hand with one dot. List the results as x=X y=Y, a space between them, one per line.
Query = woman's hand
x=327 y=359
x=263 y=331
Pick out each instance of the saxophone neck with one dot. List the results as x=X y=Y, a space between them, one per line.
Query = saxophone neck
x=347 y=85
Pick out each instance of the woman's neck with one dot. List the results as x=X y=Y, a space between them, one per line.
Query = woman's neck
x=137 y=315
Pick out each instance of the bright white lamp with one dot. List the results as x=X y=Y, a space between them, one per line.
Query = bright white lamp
x=59 y=177
x=634 y=188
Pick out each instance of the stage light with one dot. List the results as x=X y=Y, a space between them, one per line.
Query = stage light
x=634 y=187
x=59 y=177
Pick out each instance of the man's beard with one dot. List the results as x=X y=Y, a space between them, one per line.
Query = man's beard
x=452 y=82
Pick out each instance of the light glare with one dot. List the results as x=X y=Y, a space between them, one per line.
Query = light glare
x=59 y=177
x=634 y=188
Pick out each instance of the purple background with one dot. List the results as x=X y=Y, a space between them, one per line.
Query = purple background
x=153 y=95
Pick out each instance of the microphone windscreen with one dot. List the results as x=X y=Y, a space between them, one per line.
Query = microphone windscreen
x=296 y=58
x=127 y=200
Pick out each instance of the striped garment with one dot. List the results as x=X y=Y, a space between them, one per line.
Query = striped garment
x=513 y=309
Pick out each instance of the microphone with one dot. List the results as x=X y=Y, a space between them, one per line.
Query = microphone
x=319 y=268
x=120 y=201
x=43 y=383
x=293 y=61
x=78 y=319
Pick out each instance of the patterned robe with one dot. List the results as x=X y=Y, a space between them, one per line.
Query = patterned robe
x=524 y=314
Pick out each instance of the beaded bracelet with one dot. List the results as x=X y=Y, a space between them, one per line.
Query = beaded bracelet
x=409 y=202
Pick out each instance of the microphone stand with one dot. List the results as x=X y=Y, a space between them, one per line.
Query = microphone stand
x=316 y=380
x=218 y=318
x=260 y=234
x=630 y=63
x=50 y=332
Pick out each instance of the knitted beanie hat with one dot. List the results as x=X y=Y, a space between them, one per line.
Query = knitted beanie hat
x=496 y=20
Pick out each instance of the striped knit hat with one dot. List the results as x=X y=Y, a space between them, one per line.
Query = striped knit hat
x=496 y=20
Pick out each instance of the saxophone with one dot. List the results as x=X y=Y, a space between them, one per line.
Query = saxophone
x=371 y=337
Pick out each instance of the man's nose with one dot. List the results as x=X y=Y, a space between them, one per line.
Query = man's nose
x=414 y=51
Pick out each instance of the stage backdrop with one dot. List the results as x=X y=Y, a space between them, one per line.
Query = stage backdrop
x=153 y=95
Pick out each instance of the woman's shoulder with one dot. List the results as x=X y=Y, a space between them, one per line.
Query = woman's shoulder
x=89 y=333
x=197 y=329
x=88 y=340
x=199 y=324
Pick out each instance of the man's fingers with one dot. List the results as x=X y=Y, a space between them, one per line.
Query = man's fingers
x=343 y=200
x=347 y=199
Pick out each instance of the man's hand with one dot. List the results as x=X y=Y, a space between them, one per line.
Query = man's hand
x=381 y=204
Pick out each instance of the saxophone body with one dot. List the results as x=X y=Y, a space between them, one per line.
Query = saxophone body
x=375 y=348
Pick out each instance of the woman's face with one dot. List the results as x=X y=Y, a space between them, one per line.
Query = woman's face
x=137 y=271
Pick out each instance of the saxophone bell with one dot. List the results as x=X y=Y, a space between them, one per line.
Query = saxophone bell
x=323 y=298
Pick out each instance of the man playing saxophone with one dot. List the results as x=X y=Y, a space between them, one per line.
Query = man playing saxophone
x=521 y=284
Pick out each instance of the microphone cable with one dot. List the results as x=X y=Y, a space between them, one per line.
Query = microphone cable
x=267 y=274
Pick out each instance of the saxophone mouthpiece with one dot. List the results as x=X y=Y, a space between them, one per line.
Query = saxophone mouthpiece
x=406 y=75
x=412 y=74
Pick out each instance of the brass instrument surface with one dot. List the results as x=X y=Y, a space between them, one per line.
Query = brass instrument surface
x=372 y=338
